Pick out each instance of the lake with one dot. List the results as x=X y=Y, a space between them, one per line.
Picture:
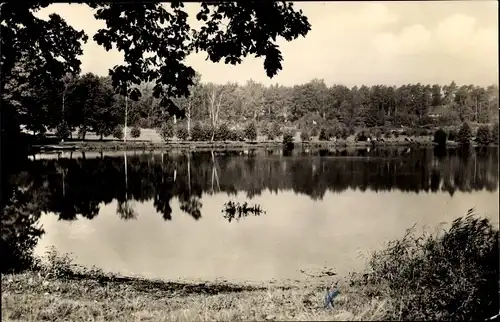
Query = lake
x=162 y=215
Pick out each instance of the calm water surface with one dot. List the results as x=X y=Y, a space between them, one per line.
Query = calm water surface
x=161 y=214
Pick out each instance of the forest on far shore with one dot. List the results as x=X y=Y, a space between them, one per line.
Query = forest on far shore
x=87 y=103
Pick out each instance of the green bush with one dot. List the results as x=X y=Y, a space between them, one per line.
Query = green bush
x=63 y=131
x=304 y=136
x=464 y=134
x=118 y=132
x=494 y=133
x=135 y=132
x=440 y=137
x=449 y=276
x=167 y=130
x=388 y=135
x=251 y=131
x=222 y=133
x=314 y=131
x=483 y=136
x=182 y=133
x=396 y=134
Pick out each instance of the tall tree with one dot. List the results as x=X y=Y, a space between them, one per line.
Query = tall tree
x=437 y=98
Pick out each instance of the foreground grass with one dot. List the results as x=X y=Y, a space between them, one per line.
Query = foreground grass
x=447 y=276
x=30 y=296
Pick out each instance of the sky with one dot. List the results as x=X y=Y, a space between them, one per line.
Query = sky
x=350 y=43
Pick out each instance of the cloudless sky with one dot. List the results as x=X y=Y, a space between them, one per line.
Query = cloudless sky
x=351 y=43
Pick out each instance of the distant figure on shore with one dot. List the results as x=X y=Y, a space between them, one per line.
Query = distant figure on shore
x=331 y=294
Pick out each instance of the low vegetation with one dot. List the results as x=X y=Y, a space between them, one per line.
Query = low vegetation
x=118 y=132
x=448 y=276
x=135 y=132
x=336 y=133
x=453 y=275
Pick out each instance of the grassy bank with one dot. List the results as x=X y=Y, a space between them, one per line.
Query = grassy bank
x=450 y=276
x=29 y=296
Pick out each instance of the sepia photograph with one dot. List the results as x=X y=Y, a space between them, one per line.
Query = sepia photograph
x=250 y=161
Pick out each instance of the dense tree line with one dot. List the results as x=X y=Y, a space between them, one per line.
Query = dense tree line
x=213 y=111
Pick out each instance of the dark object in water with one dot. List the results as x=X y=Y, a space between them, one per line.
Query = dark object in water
x=331 y=293
x=235 y=210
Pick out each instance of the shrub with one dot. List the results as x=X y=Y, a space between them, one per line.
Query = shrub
x=337 y=131
x=411 y=132
x=273 y=131
x=452 y=135
x=440 y=137
x=182 y=133
x=314 y=131
x=62 y=131
x=345 y=133
x=222 y=133
x=118 y=132
x=396 y=134
x=494 y=133
x=236 y=135
x=288 y=140
x=483 y=136
x=135 y=132
x=21 y=231
x=201 y=132
x=464 y=134
x=322 y=135
x=447 y=276
x=388 y=135
x=304 y=136
x=143 y=122
x=166 y=131
x=377 y=134
x=361 y=137
x=251 y=131
x=102 y=130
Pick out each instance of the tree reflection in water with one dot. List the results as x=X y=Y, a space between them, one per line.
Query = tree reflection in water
x=69 y=187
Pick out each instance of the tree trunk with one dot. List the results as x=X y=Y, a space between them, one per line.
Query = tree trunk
x=189 y=120
x=101 y=137
x=475 y=116
x=189 y=173
x=126 y=116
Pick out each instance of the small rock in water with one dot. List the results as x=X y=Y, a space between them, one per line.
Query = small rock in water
x=270 y=317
